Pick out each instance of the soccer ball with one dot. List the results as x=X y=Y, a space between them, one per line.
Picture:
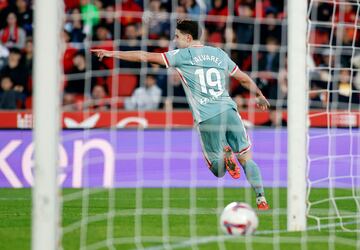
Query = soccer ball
x=238 y=218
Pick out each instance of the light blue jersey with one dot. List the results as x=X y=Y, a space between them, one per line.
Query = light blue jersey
x=203 y=71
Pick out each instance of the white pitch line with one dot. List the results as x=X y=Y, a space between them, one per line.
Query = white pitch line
x=209 y=239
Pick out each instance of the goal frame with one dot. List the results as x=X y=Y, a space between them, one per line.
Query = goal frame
x=297 y=115
x=46 y=209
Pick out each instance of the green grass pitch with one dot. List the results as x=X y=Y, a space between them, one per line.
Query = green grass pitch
x=180 y=218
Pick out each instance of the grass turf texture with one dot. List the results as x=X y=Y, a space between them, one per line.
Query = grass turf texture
x=168 y=211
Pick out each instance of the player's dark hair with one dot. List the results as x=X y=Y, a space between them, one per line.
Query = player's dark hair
x=189 y=27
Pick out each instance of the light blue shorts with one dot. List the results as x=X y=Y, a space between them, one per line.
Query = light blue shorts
x=225 y=129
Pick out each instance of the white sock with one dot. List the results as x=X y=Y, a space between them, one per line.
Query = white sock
x=260 y=199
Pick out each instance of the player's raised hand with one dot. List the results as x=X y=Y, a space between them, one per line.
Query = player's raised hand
x=101 y=53
x=262 y=103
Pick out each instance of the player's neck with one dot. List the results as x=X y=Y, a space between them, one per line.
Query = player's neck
x=196 y=43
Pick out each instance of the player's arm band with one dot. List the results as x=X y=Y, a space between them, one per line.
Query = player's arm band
x=234 y=70
x=166 y=61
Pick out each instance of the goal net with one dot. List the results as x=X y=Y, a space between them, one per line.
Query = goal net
x=131 y=168
x=333 y=72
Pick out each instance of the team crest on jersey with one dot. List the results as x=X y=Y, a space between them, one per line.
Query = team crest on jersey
x=173 y=52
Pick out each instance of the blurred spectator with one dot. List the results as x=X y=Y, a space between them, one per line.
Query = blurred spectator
x=132 y=42
x=162 y=45
x=129 y=18
x=243 y=59
x=176 y=93
x=322 y=11
x=283 y=82
x=28 y=63
x=156 y=20
x=29 y=54
x=109 y=20
x=325 y=11
x=12 y=36
x=269 y=60
x=192 y=7
x=69 y=103
x=318 y=98
x=16 y=70
x=270 y=27
x=133 y=34
x=75 y=28
x=69 y=53
x=216 y=27
x=4 y=54
x=356 y=63
x=10 y=96
x=245 y=28
x=25 y=16
x=103 y=40
x=344 y=87
x=76 y=88
x=322 y=77
x=269 y=64
x=344 y=38
x=180 y=12
x=90 y=15
x=107 y=3
x=161 y=80
x=320 y=35
x=344 y=96
x=77 y=81
x=278 y=5
x=145 y=98
x=347 y=13
x=102 y=33
x=98 y=100
x=99 y=4
x=6 y=6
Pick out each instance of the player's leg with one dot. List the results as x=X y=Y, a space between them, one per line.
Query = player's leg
x=212 y=138
x=253 y=175
x=238 y=140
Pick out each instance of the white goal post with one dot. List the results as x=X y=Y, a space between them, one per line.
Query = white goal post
x=45 y=217
x=297 y=115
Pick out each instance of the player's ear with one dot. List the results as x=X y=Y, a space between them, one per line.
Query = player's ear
x=188 y=38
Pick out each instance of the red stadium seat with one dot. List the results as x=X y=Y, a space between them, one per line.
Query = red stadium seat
x=126 y=84
x=79 y=102
x=68 y=58
x=71 y=4
x=29 y=84
x=28 y=102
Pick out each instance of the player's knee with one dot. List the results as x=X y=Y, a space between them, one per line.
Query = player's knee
x=244 y=158
x=242 y=161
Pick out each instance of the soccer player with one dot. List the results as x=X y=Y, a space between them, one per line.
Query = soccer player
x=203 y=71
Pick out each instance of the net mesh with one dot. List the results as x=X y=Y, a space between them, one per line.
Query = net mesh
x=333 y=46
x=138 y=188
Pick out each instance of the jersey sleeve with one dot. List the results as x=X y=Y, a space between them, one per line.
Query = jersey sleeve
x=171 y=58
x=231 y=66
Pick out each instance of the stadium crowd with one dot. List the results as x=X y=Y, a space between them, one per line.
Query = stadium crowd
x=253 y=32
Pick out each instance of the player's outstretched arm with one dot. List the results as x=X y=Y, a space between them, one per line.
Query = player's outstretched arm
x=249 y=84
x=131 y=56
